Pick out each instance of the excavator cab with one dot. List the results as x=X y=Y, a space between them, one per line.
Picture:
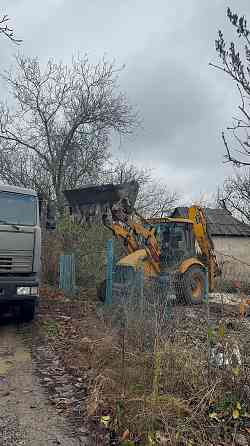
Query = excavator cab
x=176 y=242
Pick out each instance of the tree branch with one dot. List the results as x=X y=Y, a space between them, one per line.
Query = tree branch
x=7 y=31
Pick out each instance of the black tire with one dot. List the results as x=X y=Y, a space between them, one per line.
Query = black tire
x=27 y=311
x=179 y=289
x=192 y=289
x=101 y=291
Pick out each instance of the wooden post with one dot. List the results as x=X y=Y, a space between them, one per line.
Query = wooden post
x=109 y=272
x=209 y=329
x=141 y=288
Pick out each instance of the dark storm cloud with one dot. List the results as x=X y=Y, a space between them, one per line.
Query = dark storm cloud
x=166 y=47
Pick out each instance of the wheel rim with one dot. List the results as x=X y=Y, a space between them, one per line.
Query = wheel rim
x=196 y=286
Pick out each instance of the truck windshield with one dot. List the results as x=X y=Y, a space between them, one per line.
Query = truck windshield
x=18 y=209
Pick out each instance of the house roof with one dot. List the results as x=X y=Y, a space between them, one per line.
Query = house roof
x=220 y=222
x=18 y=190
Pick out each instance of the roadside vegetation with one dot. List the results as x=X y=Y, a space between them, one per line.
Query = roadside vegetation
x=151 y=381
x=154 y=374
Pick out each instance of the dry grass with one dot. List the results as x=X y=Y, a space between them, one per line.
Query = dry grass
x=164 y=387
x=168 y=390
x=180 y=401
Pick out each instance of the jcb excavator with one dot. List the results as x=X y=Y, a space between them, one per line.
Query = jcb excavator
x=159 y=246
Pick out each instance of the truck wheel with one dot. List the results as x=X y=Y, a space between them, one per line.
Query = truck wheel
x=101 y=291
x=27 y=311
x=193 y=286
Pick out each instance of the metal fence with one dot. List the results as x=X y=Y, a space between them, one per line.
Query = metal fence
x=161 y=351
x=150 y=307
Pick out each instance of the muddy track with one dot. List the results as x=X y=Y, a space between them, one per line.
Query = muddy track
x=26 y=418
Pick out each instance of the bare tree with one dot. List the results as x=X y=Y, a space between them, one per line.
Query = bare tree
x=22 y=168
x=154 y=198
x=6 y=30
x=236 y=64
x=206 y=200
x=235 y=195
x=59 y=133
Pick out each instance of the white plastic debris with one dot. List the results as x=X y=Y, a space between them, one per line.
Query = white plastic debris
x=227 y=355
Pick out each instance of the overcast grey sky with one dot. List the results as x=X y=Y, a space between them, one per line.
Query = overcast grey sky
x=166 y=46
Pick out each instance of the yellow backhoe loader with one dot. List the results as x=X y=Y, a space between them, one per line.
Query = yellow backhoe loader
x=159 y=246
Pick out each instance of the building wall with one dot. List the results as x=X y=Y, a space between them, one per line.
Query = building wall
x=233 y=253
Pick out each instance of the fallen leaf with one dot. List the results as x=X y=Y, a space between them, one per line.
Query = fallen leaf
x=213 y=416
x=221 y=331
x=236 y=414
x=209 y=333
x=125 y=435
x=92 y=408
x=151 y=439
x=105 y=420
x=236 y=371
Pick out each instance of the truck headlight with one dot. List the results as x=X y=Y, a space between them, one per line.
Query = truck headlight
x=34 y=291
x=22 y=290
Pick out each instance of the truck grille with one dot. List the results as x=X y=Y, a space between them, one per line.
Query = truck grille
x=16 y=261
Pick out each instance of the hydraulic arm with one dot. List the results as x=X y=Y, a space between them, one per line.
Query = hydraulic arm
x=201 y=233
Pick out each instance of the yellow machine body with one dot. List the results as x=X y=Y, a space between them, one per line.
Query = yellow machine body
x=148 y=257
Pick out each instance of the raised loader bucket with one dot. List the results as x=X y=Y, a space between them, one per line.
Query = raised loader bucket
x=108 y=200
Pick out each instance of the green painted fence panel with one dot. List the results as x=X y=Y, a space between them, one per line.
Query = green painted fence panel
x=67 y=273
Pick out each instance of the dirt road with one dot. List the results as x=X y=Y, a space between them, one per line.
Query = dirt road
x=26 y=418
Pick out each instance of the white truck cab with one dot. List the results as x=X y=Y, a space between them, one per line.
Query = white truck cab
x=20 y=249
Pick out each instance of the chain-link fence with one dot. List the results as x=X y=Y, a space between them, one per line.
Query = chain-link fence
x=181 y=365
x=173 y=361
